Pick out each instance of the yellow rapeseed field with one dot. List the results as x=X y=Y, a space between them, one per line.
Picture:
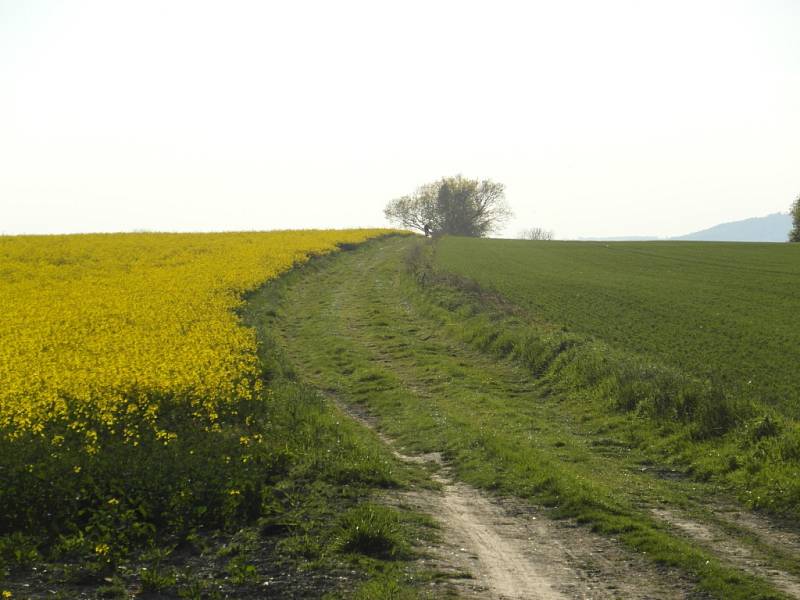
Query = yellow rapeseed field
x=100 y=332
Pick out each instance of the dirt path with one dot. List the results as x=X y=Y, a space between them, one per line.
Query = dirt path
x=502 y=549
x=486 y=543
x=359 y=331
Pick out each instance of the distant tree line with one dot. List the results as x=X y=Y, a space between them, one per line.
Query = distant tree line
x=454 y=206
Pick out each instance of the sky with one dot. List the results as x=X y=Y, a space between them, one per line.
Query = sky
x=609 y=118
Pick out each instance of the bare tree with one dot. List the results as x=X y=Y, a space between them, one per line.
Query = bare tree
x=536 y=233
x=453 y=205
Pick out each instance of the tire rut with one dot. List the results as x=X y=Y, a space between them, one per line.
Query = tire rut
x=728 y=547
x=501 y=548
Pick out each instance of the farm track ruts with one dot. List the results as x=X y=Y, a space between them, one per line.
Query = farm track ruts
x=511 y=549
x=732 y=550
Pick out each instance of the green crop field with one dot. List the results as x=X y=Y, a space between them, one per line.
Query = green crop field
x=723 y=311
x=695 y=341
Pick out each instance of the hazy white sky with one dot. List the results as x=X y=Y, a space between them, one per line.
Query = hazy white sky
x=602 y=118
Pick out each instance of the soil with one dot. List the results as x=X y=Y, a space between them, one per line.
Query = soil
x=501 y=548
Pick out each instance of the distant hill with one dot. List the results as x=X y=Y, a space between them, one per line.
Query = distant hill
x=772 y=228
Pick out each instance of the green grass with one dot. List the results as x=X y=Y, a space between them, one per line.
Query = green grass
x=722 y=311
x=705 y=424
x=437 y=365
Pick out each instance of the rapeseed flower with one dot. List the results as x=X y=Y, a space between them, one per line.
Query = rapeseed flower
x=102 y=333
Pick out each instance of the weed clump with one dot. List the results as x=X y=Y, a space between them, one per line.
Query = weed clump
x=372 y=530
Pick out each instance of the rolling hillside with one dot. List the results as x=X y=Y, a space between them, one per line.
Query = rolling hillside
x=772 y=228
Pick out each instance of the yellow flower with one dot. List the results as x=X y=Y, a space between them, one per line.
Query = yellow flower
x=100 y=330
x=102 y=549
x=7 y=594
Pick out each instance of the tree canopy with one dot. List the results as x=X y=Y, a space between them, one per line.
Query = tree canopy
x=454 y=206
x=794 y=234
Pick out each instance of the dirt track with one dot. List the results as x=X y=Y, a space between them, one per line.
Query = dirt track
x=352 y=324
x=500 y=548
